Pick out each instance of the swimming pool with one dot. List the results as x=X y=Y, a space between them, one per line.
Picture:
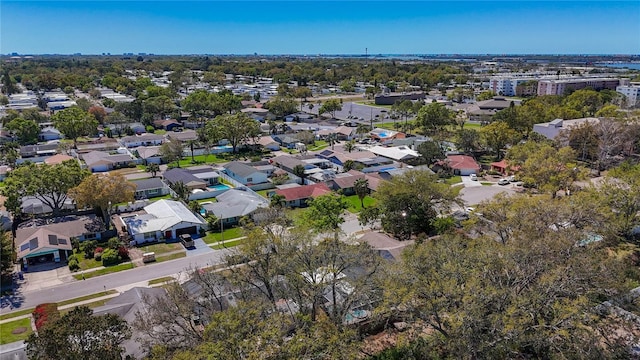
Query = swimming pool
x=356 y=315
x=218 y=187
x=383 y=134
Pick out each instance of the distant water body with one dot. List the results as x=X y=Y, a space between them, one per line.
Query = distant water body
x=633 y=66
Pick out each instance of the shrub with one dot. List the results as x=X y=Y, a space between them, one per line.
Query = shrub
x=123 y=253
x=45 y=313
x=110 y=257
x=98 y=250
x=113 y=243
x=72 y=257
x=73 y=265
x=150 y=129
x=97 y=256
x=87 y=247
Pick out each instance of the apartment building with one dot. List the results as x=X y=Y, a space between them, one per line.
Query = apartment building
x=560 y=87
x=632 y=93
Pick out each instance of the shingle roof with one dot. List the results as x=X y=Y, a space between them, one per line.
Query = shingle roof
x=143 y=137
x=145 y=152
x=462 y=162
x=304 y=192
x=240 y=169
x=183 y=136
x=180 y=175
x=64 y=228
x=236 y=203
x=148 y=184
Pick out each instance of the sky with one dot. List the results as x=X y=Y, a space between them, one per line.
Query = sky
x=320 y=27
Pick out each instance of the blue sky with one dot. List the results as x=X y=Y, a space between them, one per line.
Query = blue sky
x=320 y=27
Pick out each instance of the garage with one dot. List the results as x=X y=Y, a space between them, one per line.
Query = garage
x=188 y=230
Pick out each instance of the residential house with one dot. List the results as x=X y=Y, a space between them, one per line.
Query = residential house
x=150 y=188
x=167 y=125
x=183 y=136
x=245 y=174
x=40 y=240
x=397 y=153
x=484 y=110
x=299 y=195
x=205 y=173
x=99 y=161
x=234 y=204
x=40 y=150
x=386 y=246
x=287 y=162
x=35 y=206
x=142 y=140
x=104 y=144
x=269 y=143
x=49 y=133
x=462 y=164
x=149 y=154
x=127 y=305
x=339 y=156
x=345 y=133
x=286 y=141
x=503 y=167
x=57 y=159
x=176 y=175
x=345 y=182
x=553 y=128
x=163 y=219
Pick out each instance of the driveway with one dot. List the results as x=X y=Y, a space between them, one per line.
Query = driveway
x=43 y=276
x=467 y=182
x=477 y=194
x=200 y=248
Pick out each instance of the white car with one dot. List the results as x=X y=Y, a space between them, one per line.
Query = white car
x=473 y=177
x=503 y=182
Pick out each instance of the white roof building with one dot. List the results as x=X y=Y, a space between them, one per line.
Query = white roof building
x=163 y=218
x=398 y=153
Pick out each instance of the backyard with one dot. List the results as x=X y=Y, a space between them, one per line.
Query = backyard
x=354 y=205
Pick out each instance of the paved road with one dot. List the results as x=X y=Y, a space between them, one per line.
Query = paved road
x=477 y=194
x=123 y=278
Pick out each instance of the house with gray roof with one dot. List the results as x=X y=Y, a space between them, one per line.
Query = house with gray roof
x=100 y=161
x=245 y=174
x=149 y=154
x=150 y=188
x=163 y=219
x=142 y=140
x=233 y=204
x=185 y=135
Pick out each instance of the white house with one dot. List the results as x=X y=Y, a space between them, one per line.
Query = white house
x=245 y=174
x=553 y=128
x=166 y=219
x=49 y=133
x=142 y=140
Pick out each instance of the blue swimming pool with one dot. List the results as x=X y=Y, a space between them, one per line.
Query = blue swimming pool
x=382 y=134
x=218 y=187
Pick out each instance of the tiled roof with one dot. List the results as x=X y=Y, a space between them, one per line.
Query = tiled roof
x=462 y=162
x=304 y=192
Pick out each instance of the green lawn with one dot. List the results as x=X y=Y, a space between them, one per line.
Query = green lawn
x=263 y=193
x=227 y=244
x=354 y=203
x=161 y=248
x=228 y=234
x=318 y=145
x=200 y=159
x=6 y=335
x=16 y=314
x=453 y=180
x=87 y=297
x=456 y=189
x=206 y=200
x=107 y=270
x=161 y=280
x=86 y=264
x=171 y=256
x=486 y=183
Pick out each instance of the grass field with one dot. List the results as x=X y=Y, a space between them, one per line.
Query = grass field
x=171 y=256
x=453 y=180
x=6 y=331
x=318 y=145
x=200 y=159
x=86 y=264
x=161 y=280
x=227 y=244
x=354 y=203
x=107 y=270
x=161 y=248
x=228 y=234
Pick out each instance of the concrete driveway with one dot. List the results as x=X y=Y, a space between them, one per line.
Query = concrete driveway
x=467 y=182
x=200 y=248
x=477 y=194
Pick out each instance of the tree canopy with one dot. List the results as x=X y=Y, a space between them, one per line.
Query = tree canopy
x=100 y=191
x=74 y=122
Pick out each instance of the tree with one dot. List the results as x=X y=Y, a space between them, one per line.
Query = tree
x=325 y=213
x=277 y=201
x=298 y=171
x=434 y=117
x=362 y=129
x=98 y=112
x=47 y=183
x=181 y=190
x=7 y=256
x=9 y=153
x=361 y=188
x=468 y=140
x=74 y=122
x=84 y=103
x=100 y=191
x=404 y=108
x=79 y=335
x=237 y=128
x=26 y=131
x=171 y=151
x=485 y=95
x=497 y=136
x=350 y=145
x=152 y=168
x=431 y=151
x=408 y=203
x=330 y=106
x=621 y=191
x=280 y=106
x=583 y=139
x=199 y=104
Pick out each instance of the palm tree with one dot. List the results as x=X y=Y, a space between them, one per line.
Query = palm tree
x=362 y=129
x=277 y=201
x=192 y=144
x=153 y=168
x=361 y=188
x=298 y=171
x=349 y=146
x=181 y=190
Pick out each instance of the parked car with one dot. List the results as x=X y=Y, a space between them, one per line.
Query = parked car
x=512 y=178
x=473 y=177
x=504 y=182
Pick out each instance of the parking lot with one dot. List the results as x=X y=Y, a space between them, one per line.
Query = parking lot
x=358 y=112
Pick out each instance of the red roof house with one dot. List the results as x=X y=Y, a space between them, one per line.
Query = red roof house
x=463 y=164
x=298 y=196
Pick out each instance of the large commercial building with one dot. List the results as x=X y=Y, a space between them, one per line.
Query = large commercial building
x=560 y=87
x=512 y=86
